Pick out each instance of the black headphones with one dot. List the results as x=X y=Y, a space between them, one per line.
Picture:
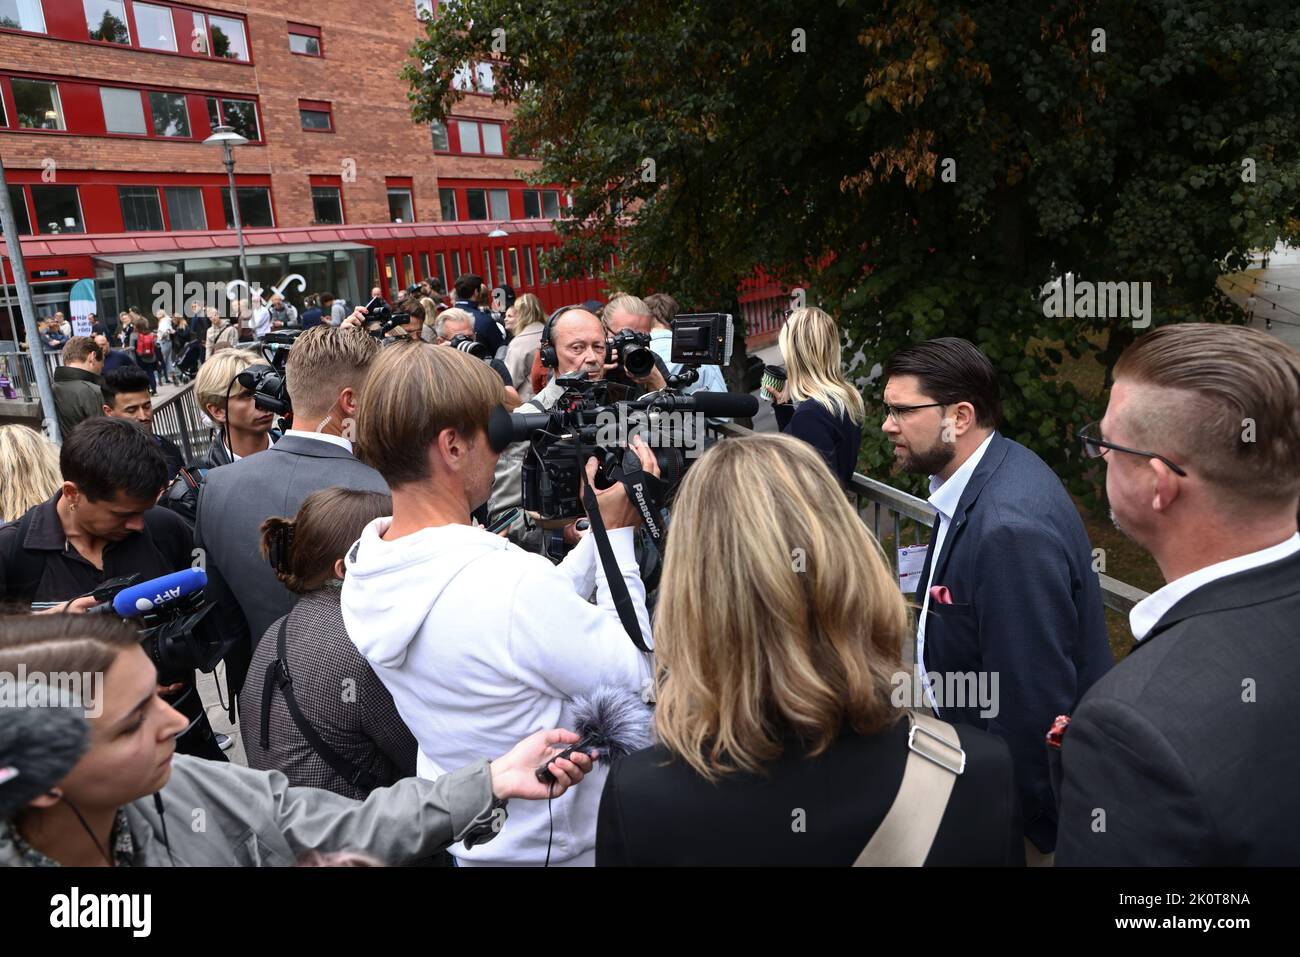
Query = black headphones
x=547 y=346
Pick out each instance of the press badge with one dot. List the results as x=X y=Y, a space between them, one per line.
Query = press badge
x=911 y=559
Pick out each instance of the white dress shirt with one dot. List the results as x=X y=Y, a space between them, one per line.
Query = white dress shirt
x=1144 y=616
x=323 y=436
x=945 y=497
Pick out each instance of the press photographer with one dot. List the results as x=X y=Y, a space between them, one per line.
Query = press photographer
x=102 y=524
x=491 y=642
x=572 y=346
x=455 y=328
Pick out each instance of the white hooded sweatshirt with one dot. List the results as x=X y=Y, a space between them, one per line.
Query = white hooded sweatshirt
x=481 y=644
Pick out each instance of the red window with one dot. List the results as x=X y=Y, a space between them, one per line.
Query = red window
x=316 y=115
x=156 y=26
x=305 y=40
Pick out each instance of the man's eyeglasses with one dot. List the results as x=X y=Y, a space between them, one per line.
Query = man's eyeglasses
x=1094 y=446
x=896 y=412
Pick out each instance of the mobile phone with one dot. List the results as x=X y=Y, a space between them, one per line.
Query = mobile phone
x=504 y=522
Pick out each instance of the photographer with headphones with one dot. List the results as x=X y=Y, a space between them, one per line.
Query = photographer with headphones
x=573 y=343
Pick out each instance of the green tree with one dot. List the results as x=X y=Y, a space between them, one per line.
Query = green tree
x=923 y=167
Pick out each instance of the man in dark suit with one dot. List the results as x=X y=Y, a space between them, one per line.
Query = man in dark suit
x=470 y=292
x=324 y=374
x=1011 y=631
x=1184 y=754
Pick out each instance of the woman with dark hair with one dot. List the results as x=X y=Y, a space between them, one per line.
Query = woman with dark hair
x=336 y=726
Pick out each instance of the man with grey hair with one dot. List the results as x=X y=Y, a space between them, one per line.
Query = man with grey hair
x=278 y=314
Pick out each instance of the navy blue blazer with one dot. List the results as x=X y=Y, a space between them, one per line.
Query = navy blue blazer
x=1026 y=606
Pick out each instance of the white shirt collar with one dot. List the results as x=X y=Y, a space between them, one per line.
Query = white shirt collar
x=945 y=496
x=1147 y=613
x=323 y=436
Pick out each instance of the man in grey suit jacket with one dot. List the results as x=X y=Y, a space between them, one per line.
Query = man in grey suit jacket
x=324 y=374
x=1183 y=753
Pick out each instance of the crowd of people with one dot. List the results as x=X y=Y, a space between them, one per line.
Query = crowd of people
x=407 y=648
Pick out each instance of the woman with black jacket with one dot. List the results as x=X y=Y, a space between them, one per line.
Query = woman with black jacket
x=818 y=404
x=782 y=694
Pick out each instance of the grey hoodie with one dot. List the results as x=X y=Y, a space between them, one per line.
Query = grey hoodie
x=222 y=815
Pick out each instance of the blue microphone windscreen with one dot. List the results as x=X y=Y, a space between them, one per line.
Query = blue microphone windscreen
x=145 y=597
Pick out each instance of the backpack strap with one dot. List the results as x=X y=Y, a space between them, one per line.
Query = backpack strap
x=277 y=676
x=934 y=760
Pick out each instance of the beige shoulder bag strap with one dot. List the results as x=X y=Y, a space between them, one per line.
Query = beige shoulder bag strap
x=934 y=759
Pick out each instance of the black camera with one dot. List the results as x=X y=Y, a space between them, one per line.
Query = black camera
x=170 y=640
x=583 y=424
x=469 y=345
x=267 y=380
x=703 y=339
x=168 y=632
x=631 y=350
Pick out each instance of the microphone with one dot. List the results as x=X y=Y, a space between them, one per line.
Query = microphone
x=719 y=405
x=43 y=734
x=613 y=722
x=157 y=593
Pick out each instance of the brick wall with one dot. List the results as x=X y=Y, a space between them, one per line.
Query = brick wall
x=364 y=50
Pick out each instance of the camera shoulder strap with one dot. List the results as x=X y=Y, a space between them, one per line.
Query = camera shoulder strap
x=613 y=575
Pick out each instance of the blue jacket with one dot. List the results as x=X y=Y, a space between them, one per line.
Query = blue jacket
x=1026 y=605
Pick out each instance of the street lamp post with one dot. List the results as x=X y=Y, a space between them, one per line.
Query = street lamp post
x=227 y=139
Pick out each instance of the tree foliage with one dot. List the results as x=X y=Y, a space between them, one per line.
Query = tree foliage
x=812 y=140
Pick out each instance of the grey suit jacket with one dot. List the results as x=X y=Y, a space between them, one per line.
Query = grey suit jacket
x=234 y=502
x=1185 y=753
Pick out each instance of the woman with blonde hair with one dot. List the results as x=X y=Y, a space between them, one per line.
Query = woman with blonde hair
x=783 y=734
x=524 y=320
x=29 y=470
x=818 y=404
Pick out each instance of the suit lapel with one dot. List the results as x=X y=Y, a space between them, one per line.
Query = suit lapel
x=1254 y=586
x=993 y=456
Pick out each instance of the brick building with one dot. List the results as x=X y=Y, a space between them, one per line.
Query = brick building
x=104 y=106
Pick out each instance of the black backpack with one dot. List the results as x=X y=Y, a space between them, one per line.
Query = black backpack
x=182 y=496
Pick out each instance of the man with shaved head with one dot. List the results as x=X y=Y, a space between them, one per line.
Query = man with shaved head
x=572 y=342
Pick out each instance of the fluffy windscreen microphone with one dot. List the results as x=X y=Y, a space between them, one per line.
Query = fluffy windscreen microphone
x=43 y=734
x=612 y=721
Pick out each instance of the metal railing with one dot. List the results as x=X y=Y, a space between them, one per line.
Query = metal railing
x=179 y=418
x=19 y=368
x=905 y=516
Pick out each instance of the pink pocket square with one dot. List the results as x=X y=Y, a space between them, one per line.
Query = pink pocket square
x=940 y=595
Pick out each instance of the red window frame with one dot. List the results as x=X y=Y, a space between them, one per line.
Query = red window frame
x=257 y=110
x=331 y=182
x=305 y=30
x=75 y=95
x=403 y=182
x=316 y=106
x=65 y=20
x=453 y=137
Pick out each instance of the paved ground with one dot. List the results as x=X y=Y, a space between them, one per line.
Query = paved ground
x=1282 y=305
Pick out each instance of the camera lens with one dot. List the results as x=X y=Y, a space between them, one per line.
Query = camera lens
x=638 y=360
